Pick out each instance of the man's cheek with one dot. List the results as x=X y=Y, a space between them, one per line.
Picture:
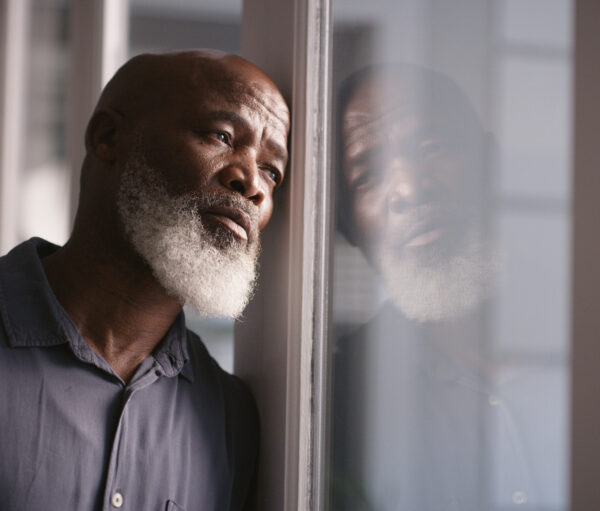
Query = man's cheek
x=370 y=218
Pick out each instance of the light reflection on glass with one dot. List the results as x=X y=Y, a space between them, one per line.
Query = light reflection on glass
x=452 y=200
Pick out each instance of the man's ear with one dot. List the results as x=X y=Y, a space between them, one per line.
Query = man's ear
x=101 y=135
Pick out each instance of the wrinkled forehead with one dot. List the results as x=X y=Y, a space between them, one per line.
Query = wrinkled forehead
x=239 y=83
x=380 y=111
x=388 y=96
x=395 y=105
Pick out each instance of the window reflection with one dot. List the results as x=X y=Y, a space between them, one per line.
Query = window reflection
x=450 y=389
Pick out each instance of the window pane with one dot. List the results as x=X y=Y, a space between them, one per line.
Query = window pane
x=451 y=265
x=156 y=25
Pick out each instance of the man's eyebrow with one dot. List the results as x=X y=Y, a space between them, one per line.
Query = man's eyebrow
x=278 y=150
x=228 y=115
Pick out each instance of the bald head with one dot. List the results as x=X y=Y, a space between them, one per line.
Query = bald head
x=151 y=81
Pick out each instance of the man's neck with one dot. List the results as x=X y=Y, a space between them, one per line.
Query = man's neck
x=114 y=301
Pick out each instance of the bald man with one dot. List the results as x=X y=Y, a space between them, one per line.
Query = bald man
x=106 y=400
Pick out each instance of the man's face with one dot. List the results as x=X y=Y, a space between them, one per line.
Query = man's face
x=415 y=193
x=223 y=133
x=198 y=186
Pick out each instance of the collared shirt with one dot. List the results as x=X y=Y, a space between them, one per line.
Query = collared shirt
x=181 y=435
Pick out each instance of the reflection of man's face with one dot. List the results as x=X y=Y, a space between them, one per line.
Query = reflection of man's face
x=414 y=181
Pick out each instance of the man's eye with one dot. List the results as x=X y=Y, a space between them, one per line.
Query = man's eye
x=274 y=174
x=222 y=136
x=366 y=178
x=363 y=180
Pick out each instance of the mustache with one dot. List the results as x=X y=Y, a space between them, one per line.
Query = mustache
x=200 y=202
x=421 y=218
x=421 y=212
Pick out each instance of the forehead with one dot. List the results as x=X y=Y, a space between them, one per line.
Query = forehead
x=239 y=83
x=389 y=109
x=248 y=99
x=372 y=119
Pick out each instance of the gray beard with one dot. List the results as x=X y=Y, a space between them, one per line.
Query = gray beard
x=444 y=290
x=210 y=270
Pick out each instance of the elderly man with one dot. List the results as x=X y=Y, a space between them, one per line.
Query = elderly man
x=106 y=400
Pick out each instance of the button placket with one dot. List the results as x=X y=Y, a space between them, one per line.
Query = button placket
x=113 y=495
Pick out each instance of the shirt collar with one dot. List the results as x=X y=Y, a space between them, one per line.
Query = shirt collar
x=32 y=316
x=30 y=312
x=171 y=354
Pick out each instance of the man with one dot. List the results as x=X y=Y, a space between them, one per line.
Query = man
x=426 y=413
x=106 y=400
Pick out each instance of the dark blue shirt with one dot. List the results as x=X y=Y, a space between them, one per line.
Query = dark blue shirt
x=181 y=435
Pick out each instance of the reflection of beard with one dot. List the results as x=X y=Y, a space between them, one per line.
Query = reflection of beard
x=439 y=284
x=211 y=270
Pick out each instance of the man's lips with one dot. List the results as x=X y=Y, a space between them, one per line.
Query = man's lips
x=424 y=238
x=424 y=233
x=236 y=220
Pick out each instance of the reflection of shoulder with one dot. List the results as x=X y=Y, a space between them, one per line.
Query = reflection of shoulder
x=211 y=378
x=233 y=398
x=387 y=320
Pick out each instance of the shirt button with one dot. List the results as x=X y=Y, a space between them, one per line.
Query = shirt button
x=117 y=499
x=519 y=497
x=494 y=400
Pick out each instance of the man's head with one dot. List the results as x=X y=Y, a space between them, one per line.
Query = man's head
x=413 y=187
x=185 y=151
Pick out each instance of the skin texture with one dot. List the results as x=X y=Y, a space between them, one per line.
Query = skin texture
x=207 y=122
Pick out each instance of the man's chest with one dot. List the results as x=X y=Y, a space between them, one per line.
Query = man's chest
x=75 y=438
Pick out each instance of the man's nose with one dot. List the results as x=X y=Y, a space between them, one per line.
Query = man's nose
x=411 y=184
x=242 y=175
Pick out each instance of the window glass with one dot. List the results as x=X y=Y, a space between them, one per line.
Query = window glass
x=156 y=26
x=450 y=345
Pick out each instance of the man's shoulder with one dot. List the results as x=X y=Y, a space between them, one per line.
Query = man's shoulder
x=235 y=391
x=241 y=418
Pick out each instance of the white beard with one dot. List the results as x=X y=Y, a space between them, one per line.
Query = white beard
x=212 y=271
x=444 y=290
